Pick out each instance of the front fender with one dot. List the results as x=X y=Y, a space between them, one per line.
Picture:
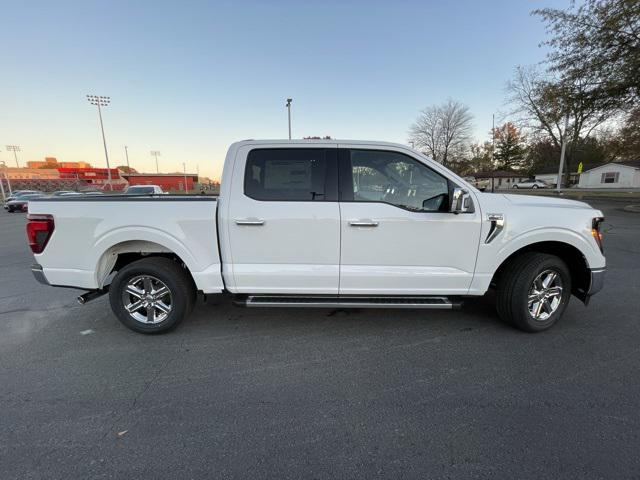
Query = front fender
x=590 y=252
x=493 y=254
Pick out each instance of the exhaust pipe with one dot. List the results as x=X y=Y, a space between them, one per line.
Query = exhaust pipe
x=92 y=295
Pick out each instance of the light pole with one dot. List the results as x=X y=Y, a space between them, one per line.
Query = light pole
x=2 y=184
x=126 y=152
x=156 y=154
x=100 y=101
x=4 y=165
x=289 y=100
x=14 y=149
x=184 y=171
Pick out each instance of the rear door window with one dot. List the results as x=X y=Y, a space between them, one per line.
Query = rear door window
x=291 y=174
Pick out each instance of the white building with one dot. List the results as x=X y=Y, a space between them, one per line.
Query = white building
x=612 y=175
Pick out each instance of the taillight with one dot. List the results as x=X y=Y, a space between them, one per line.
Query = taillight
x=595 y=231
x=39 y=231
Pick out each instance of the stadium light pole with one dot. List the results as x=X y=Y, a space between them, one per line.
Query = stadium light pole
x=289 y=100
x=14 y=149
x=101 y=101
x=156 y=153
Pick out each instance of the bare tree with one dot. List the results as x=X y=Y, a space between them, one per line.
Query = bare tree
x=543 y=104
x=444 y=131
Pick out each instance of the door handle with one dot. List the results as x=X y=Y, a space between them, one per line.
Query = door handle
x=363 y=223
x=255 y=222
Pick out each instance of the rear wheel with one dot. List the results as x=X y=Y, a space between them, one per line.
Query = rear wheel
x=533 y=291
x=152 y=295
x=534 y=186
x=515 y=186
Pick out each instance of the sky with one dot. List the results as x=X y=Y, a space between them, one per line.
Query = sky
x=188 y=78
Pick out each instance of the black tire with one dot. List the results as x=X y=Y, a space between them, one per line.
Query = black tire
x=515 y=283
x=535 y=186
x=9 y=209
x=172 y=275
x=515 y=186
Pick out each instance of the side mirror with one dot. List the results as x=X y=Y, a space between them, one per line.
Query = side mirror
x=461 y=201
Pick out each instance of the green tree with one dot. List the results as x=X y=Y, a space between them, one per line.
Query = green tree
x=510 y=147
x=597 y=41
x=624 y=144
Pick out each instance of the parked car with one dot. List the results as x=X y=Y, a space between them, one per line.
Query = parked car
x=480 y=183
x=17 y=193
x=62 y=193
x=531 y=183
x=92 y=192
x=20 y=202
x=144 y=190
x=325 y=224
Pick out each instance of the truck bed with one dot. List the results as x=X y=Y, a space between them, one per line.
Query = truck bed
x=90 y=232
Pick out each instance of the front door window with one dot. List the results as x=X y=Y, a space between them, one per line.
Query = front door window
x=396 y=179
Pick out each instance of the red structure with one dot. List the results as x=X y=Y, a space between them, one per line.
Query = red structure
x=167 y=181
x=92 y=175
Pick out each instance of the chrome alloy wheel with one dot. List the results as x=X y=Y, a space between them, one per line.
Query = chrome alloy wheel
x=545 y=295
x=147 y=299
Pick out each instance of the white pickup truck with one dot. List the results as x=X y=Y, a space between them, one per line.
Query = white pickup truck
x=329 y=224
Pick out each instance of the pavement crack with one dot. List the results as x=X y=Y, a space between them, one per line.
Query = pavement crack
x=145 y=388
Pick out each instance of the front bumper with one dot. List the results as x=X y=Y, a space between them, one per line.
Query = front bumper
x=597 y=281
x=39 y=274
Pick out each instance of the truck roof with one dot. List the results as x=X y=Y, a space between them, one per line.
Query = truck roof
x=333 y=141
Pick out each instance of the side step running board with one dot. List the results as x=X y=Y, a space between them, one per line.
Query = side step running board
x=347 y=302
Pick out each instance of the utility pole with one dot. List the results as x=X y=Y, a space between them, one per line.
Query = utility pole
x=493 y=148
x=14 y=149
x=184 y=171
x=156 y=154
x=100 y=101
x=126 y=152
x=493 y=138
x=562 y=151
x=289 y=100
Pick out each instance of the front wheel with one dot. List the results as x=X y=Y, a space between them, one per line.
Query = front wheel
x=152 y=295
x=533 y=291
x=535 y=186
x=515 y=186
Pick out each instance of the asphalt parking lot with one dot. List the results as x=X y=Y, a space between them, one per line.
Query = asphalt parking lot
x=252 y=393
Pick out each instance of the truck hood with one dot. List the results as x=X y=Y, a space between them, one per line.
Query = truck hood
x=536 y=201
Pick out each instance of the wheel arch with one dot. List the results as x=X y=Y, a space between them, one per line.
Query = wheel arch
x=125 y=252
x=570 y=254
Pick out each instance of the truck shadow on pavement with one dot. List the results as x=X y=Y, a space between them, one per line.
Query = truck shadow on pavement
x=476 y=313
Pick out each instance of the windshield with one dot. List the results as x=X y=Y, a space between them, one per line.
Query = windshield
x=139 y=190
